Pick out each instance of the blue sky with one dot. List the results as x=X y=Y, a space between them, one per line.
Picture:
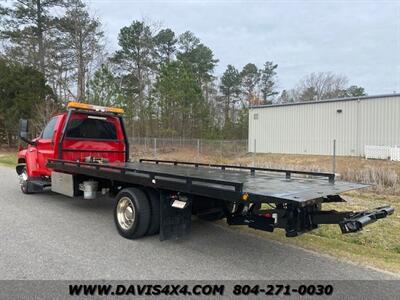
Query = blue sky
x=359 y=39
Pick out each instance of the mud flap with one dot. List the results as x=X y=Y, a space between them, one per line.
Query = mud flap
x=174 y=222
x=37 y=185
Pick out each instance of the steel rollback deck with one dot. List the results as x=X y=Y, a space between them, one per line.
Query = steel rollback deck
x=225 y=182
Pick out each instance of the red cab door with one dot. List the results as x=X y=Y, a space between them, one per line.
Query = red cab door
x=45 y=146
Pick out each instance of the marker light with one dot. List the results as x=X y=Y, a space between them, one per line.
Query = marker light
x=86 y=106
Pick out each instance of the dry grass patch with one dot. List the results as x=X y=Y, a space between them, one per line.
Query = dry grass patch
x=383 y=174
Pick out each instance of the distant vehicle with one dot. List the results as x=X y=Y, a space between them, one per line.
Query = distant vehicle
x=84 y=152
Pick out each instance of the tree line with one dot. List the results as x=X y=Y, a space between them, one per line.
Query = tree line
x=54 y=51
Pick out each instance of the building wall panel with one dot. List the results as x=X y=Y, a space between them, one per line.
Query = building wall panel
x=311 y=128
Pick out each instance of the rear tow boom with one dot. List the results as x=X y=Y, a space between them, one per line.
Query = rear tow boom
x=300 y=220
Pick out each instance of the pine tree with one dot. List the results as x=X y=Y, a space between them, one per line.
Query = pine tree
x=26 y=28
x=230 y=88
x=84 y=35
x=268 y=82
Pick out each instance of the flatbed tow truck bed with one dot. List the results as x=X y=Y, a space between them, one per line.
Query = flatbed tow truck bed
x=272 y=184
x=266 y=185
x=296 y=196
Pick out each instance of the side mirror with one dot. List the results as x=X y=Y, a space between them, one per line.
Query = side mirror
x=24 y=131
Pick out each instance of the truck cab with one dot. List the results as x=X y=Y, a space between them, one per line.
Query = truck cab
x=83 y=133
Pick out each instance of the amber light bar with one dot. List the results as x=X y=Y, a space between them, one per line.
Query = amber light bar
x=86 y=106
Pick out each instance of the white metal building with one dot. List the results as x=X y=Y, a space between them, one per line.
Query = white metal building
x=311 y=127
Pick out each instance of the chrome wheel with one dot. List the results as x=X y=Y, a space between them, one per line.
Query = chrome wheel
x=23 y=177
x=23 y=181
x=132 y=213
x=125 y=213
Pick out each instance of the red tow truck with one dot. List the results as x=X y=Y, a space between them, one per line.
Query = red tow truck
x=84 y=153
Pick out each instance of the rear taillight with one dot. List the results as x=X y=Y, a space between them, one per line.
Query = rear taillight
x=270 y=216
x=266 y=215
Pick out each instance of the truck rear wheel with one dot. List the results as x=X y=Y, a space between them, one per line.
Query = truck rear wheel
x=154 y=199
x=132 y=213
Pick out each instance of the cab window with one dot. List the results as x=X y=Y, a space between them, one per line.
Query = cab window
x=48 y=131
x=91 y=128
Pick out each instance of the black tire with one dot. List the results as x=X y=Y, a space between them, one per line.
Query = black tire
x=24 y=183
x=140 y=212
x=154 y=200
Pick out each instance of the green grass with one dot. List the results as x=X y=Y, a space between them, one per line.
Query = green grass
x=8 y=159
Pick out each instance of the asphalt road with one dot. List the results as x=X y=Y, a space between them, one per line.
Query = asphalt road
x=49 y=236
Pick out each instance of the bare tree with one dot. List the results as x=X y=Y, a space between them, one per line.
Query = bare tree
x=43 y=113
x=322 y=85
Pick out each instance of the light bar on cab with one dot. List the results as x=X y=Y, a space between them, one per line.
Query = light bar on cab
x=86 y=106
